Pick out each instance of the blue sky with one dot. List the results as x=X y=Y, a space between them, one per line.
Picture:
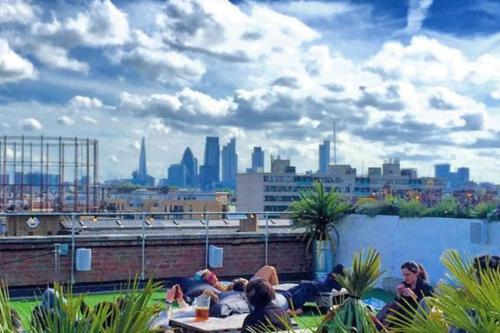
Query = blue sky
x=417 y=79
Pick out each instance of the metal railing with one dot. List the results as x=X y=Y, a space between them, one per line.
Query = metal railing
x=148 y=219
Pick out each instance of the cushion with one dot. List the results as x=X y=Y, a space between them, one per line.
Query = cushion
x=192 y=288
x=230 y=303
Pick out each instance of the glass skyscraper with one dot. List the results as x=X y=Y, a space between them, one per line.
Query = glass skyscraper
x=257 y=159
x=210 y=170
x=229 y=164
x=324 y=156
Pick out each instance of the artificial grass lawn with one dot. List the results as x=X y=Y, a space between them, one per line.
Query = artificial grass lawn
x=308 y=319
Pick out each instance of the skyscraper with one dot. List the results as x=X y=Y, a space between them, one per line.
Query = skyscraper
x=142 y=171
x=140 y=176
x=324 y=156
x=229 y=164
x=257 y=159
x=176 y=175
x=210 y=170
x=190 y=167
x=442 y=171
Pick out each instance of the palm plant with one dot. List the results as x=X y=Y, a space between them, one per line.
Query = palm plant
x=6 y=323
x=318 y=212
x=469 y=301
x=133 y=315
x=353 y=315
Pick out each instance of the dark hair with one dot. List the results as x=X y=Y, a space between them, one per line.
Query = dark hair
x=418 y=269
x=240 y=285
x=486 y=262
x=338 y=270
x=259 y=293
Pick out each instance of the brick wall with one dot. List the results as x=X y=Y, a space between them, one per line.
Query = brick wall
x=30 y=261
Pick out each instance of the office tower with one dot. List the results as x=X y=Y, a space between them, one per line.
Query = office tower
x=190 y=167
x=442 y=171
x=463 y=174
x=177 y=175
x=210 y=170
x=229 y=163
x=257 y=159
x=324 y=156
x=142 y=171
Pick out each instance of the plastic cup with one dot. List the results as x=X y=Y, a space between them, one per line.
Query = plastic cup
x=201 y=308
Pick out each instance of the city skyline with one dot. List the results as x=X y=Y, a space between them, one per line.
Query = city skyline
x=400 y=79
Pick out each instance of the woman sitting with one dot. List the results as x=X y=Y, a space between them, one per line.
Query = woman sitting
x=265 y=313
x=409 y=293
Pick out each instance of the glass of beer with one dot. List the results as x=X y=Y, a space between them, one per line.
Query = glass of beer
x=202 y=305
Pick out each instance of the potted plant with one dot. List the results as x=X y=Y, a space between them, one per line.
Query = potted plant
x=318 y=212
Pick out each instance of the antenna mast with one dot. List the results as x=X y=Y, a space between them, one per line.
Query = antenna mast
x=335 y=143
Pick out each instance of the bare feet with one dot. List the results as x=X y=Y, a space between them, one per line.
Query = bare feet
x=170 y=295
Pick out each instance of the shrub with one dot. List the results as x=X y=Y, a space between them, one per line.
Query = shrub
x=447 y=207
x=411 y=208
x=367 y=206
x=483 y=209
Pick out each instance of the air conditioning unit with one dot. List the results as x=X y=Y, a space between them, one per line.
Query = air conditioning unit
x=215 y=256
x=479 y=233
x=83 y=260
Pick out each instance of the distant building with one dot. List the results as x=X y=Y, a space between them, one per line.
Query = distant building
x=281 y=166
x=170 y=202
x=454 y=181
x=274 y=191
x=177 y=175
x=257 y=160
x=229 y=164
x=324 y=157
x=140 y=176
x=210 y=170
x=190 y=167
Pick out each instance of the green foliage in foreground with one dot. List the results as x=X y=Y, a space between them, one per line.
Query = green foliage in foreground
x=470 y=301
x=353 y=314
x=132 y=314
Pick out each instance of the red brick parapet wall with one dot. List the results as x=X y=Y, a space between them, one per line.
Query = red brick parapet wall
x=30 y=261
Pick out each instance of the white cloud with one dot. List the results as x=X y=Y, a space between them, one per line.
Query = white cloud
x=17 y=11
x=31 y=124
x=10 y=152
x=161 y=65
x=85 y=103
x=57 y=57
x=65 y=120
x=113 y=158
x=12 y=66
x=185 y=105
x=417 y=13
x=101 y=24
x=156 y=125
x=313 y=9
x=495 y=94
x=220 y=28
x=90 y=120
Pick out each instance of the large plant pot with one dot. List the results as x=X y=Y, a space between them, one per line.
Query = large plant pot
x=322 y=258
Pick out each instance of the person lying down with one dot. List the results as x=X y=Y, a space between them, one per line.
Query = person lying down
x=230 y=299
